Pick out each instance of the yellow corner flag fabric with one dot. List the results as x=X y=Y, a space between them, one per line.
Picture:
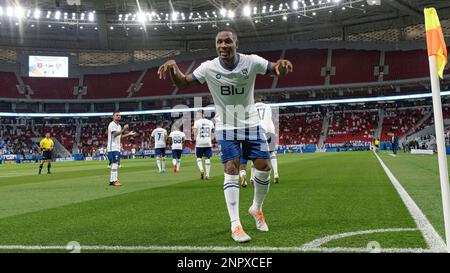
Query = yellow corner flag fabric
x=435 y=40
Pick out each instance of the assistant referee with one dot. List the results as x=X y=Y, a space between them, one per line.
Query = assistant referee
x=46 y=145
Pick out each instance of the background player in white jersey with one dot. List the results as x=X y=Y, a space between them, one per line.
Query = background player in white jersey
x=204 y=133
x=266 y=118
x=231 y=79
x=115 y=134
x=177 y=138
x=159 y=136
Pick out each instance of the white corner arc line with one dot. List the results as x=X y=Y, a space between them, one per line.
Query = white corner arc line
x=217 y=248
x=321 y=241
x=434 y=241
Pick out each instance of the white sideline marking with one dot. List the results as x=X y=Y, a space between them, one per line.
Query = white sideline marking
x=393 y=155
x=219 y=248
x=321 y=241
x=434 y=241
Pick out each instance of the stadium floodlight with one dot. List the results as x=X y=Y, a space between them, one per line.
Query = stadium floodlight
x=174 y=16
x=81 y=27
x=9 y=11
x=49 y=13
x=247 y=11
x=271 y=8
x=285 y=17
x=28 y=13
x=231 y=14
x=82 y=16
x=264 y=9
x=74 y=16
x=223 y=12
x=91 y=16
x=57 y=15
x=65 y=15
x=295 y=5
x=63 y=27
x=111 y=28
x=255 y=10
x=37 y=14
x=141 y=17
x=280 y=8
x=337 y=1
x=49 y=26
x=20 y=12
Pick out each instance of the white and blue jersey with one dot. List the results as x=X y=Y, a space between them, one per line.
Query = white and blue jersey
x=113 y=147
x=236 y=116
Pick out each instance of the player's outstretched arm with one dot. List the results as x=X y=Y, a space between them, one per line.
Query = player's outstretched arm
x=131 y=133
x=281 y=68
x=178 y=78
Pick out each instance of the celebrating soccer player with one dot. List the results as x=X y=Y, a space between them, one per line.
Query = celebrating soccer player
x=203 y=132
x=177 y=138
x=115 y=134
x=159 y=136
x=231 y=79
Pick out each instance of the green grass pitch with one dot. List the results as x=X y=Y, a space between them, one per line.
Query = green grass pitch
x=320 y=194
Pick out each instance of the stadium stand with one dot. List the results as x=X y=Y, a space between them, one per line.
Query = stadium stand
x=352 y=126
x=51 y=88
x=347 y=71
x=308 y=64
x=406 y=65
x=8 y=84
x=112 y=85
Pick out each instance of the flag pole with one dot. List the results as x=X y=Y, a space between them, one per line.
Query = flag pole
x=440 y=141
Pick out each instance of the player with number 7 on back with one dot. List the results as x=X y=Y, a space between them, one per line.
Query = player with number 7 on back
x=231 y=79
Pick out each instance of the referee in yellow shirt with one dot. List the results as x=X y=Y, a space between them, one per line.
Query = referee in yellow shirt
x=46 y=145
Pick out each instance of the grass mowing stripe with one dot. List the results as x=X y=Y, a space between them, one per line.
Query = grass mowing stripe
x=432 y=238
x=329 y=194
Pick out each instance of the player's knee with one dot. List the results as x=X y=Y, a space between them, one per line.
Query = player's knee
x=263 y=165
x=230 y=167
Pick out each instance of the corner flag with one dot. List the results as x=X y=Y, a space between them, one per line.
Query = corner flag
x=437 y=58
x=435 y=40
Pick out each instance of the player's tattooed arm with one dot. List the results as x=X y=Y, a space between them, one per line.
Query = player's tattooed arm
x=178 y=78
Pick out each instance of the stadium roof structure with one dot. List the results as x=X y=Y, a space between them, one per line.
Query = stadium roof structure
x=190 y=25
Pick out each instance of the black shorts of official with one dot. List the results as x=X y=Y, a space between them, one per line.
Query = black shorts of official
x=47 y=155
